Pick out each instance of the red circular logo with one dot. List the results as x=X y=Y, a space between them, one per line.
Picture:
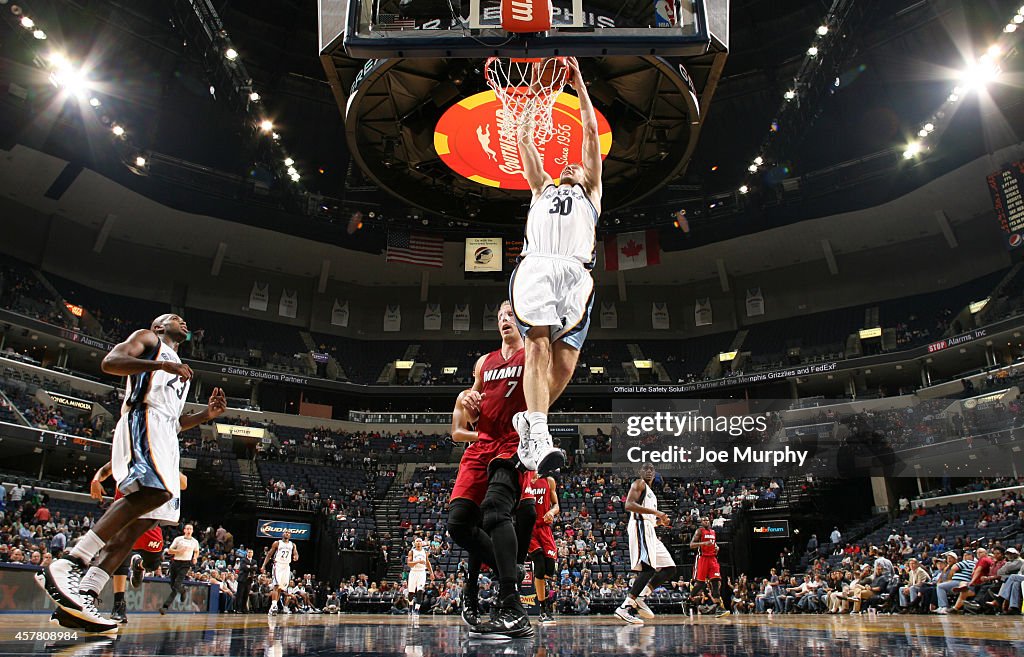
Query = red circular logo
x=1015 y=240
x=468 y=140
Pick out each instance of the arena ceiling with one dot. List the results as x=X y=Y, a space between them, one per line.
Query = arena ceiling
x=895 y=70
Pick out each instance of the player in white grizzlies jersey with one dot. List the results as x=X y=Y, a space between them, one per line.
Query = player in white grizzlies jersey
x=144 y=461
x=283 y=552
x=419 y=567
x=552 y=291
x=648 y=556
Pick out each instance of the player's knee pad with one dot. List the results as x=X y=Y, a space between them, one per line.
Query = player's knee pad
x=463 y=518
x=549 y=564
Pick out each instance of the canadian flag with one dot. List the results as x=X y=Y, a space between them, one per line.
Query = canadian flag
x=631 y=250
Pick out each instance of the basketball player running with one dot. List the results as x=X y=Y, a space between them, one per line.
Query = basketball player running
x=551 y=289
x=283 y=552
x=648 y=556
x=542 y=545
x=144 y=461
x=706 y=570
x=487 y=488
x=419 y=566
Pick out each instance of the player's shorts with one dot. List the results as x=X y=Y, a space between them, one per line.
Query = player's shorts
x=150 y=562
x=646 y=547
x=282 y=576
x=145 y=454
x=474 y=470
x=542 y=539
x=417 y=580
x=706 y=568
x=151 y=540
x=555 y=291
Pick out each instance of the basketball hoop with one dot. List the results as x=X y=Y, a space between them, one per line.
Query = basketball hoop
x=527 y=89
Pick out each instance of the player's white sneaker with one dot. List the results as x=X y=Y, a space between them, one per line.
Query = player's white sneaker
x=642 y=609
x=538 y=453
x=625 y=612
x=61 y=580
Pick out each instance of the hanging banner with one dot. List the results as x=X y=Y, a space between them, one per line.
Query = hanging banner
x=460 y=320
x=609 y=315
x=702 y=312
x=339 y=314
x=483 y=254
x=392 y=318
x=755 y=302
x=490 y=316
x=289 y=304
x=432 y=317
x=259 y=298
x=659 y=316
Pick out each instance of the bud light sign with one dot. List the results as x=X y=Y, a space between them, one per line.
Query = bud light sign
x=300 y=531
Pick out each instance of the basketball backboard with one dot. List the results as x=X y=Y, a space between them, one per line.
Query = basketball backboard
x=473 y=28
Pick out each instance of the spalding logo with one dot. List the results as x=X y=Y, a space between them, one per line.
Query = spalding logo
x=483 y=255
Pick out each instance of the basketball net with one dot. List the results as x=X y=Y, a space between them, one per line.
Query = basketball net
x=527 y=89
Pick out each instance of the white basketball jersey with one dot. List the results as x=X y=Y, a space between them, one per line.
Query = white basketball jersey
x=163 y=394
x=649 y=500
x=563 y=222
x=420 y=556
x=283 y=556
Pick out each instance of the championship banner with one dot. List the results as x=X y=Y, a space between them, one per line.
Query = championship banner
x=300 y=531
x=609 y=315
x=702 y=312
x=392 y=318
x=259 y=297
x=755 y=302
x=659 y=316
x=339 y=313
x=483 y=254
x=289 y=304
x=432 y=317
x=490 y=316
x=460 y=319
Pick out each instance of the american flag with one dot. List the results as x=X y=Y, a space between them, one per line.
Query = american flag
x=415 y=248
x=393 y=22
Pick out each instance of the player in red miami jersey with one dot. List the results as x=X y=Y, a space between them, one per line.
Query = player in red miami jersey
x=488 y=489
x=542 y=544
x=706 y=570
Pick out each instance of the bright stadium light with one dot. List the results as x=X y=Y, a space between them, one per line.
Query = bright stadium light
x=39 y=34
x=929 y=127
x=231 y=54
x=266 y=125
x=752 y=168
x=292 y=171
x=254 y=96
x=822 y=30
x=744 y=189
x=812 y=51
x=758 y=160
x=789 y=95
x=288 y=161
x=117 y=130
x=27 y=23
x=979 y=74
x=95 y=102
x=913 y=148
x=295 y=177
x=140 y=161
x=1018 y=19
x=922 y=133
x=69 y=78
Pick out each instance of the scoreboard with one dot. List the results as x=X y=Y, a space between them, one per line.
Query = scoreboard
x=1006 y=187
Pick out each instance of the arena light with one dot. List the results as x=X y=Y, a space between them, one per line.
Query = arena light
x=292 y=171
x=266 y=125
x=140 y=161
x=922 y=133
x=752 y=168
x=1018 y=19
x=117 y=130
x=758 y=160
x=95 y=102
x=72 y=80
x=953 y=97
x=789 y=95
x=744 y=189
x=812 y=51
x=39 y=34
x=822 y=30
x=929 y=127
x=979 y=74
x=27 y=23
x=288 y=161
x=295 y=176
x=1010 y=28
x=231 y=54
x=913 y=148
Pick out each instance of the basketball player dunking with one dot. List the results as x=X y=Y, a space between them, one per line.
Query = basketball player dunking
x=488 y=489
x=144 y=461
x=542 y=545
x=707 y=571
x=648 y=556
x=283 y=552
x=419 y=568
x=551 y=289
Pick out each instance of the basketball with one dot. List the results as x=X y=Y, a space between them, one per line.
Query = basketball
x=551 y=72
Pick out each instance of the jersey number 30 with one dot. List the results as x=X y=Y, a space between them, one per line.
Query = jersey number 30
x=561 y=205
